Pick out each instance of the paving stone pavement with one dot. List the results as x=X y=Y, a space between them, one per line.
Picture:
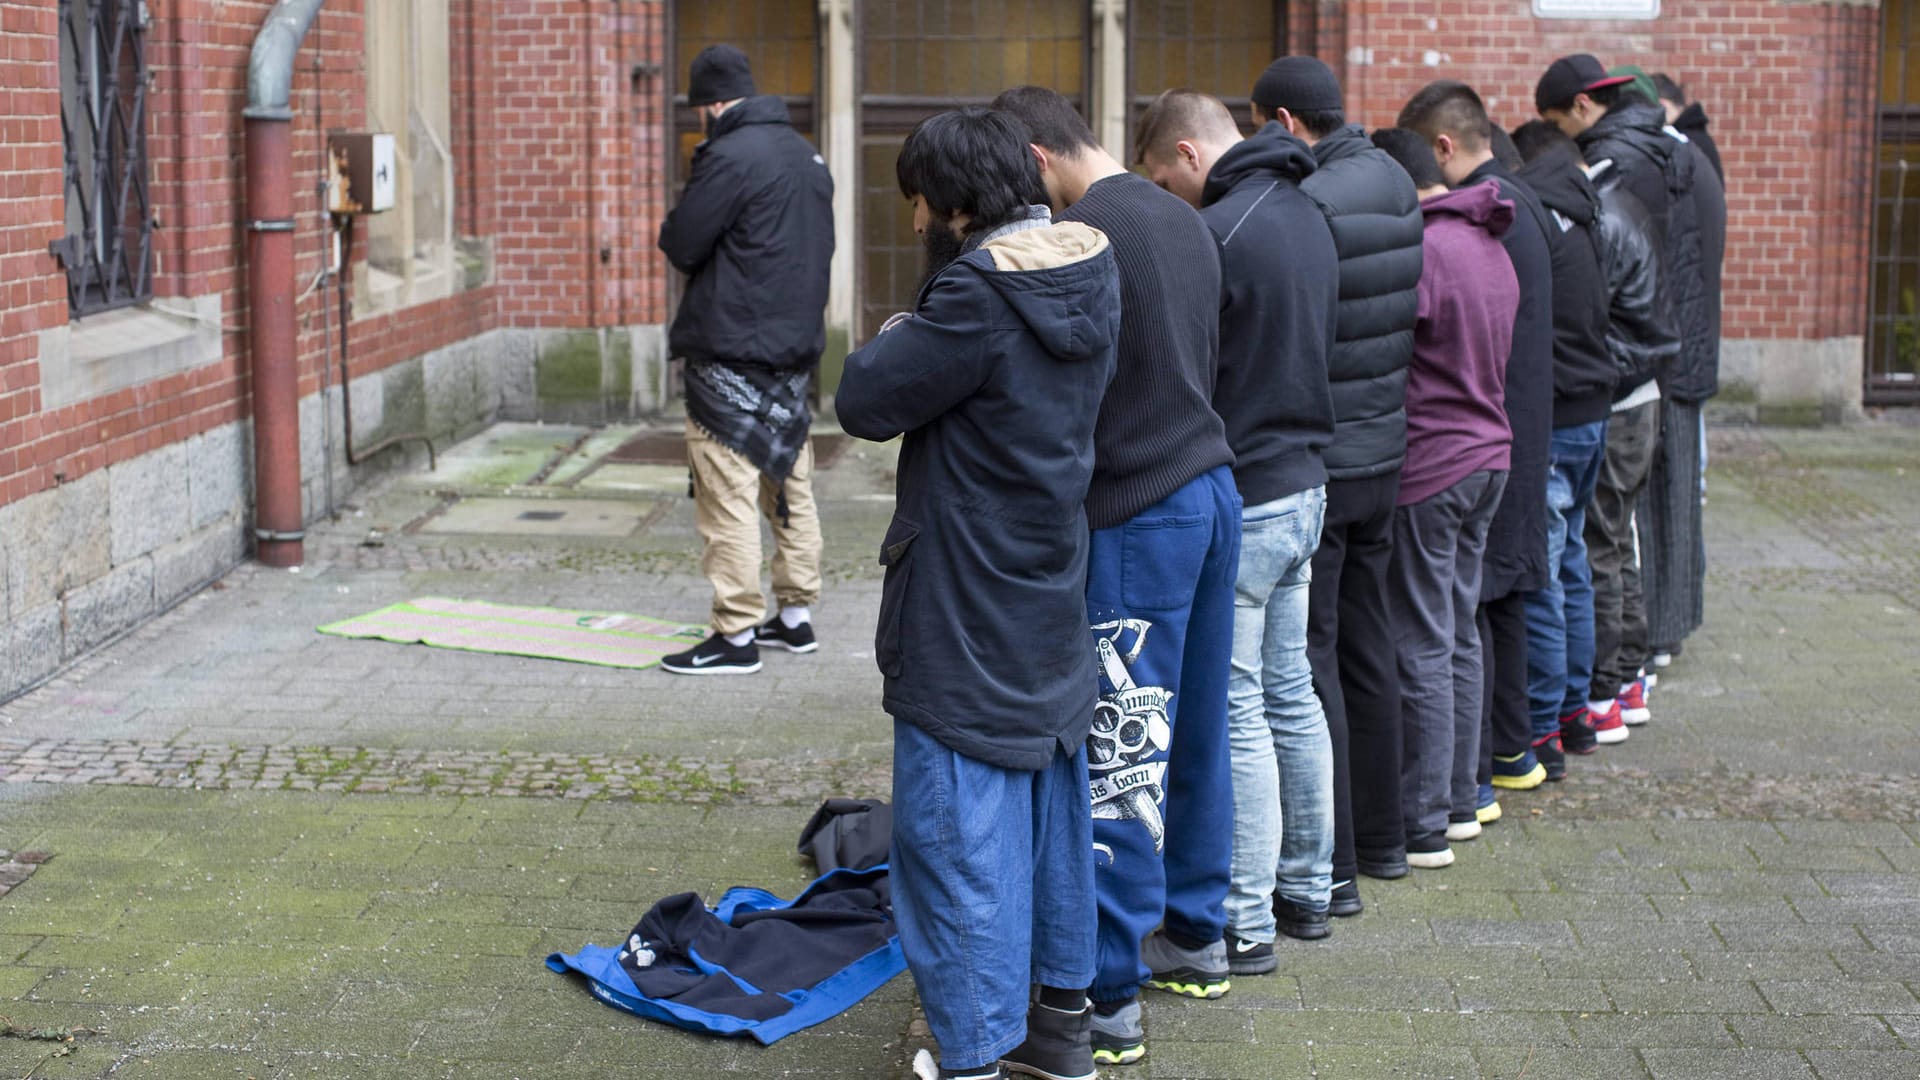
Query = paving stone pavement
x=261 y=852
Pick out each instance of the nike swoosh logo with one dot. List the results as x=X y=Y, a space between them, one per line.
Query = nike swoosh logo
x=1245 y=946
x=703 y=661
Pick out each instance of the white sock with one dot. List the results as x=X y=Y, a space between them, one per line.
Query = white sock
x=1600 y=708
x=744 y=637
x=791 y=617
x=1625 y=688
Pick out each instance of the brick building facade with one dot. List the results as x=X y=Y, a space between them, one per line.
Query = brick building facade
x=539 y=146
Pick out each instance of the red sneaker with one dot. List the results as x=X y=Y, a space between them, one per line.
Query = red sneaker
x=1609 y=727
x=1633 y=703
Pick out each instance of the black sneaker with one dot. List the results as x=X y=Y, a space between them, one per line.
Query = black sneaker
x=1249 y=957
x=1385 y=865
x=1429 y=851
x=776 y=634
x=1346 y=900
x=715 y=656
x=1577 y=734
x=1552 y=758
x=1059 y=1045
x=1299 y=922
x=925 y=1069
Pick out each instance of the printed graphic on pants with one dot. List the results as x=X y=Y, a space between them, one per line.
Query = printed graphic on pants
x=1126 y=750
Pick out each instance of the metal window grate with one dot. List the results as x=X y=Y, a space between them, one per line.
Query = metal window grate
x=108 y=246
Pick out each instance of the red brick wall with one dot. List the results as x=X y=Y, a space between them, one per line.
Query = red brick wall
x=1789 y=86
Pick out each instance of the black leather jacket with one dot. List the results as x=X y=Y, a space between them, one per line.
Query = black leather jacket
x=1640 y=334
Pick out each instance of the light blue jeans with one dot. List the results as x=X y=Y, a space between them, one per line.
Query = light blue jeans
x=1282 y=757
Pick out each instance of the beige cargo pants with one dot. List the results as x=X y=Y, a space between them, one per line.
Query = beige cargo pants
x=730 y=496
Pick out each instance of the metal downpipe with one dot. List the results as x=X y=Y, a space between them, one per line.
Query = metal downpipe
x=279 y=524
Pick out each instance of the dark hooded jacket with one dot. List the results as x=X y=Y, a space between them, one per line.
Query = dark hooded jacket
x=1640 y=336
x=1370 y=205
x=1516 y=556
x=1279 y=299
x=754 y=233
x=1583 y=372
x=996 y=382
x=1660 y=171
x=1699 y=378
x=1692 y=122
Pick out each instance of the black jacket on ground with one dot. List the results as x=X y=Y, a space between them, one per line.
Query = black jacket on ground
x=1370 y=205
x=996 y=382
x=754 y=233
x=1692 y=122
x=1279 y=299
x=1660 y=171
x=1516 y=557
x=1640 y=336
x=1157 y=428
x=1583 y=372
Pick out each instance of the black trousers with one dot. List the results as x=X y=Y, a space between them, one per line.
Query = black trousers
x=1505 y=727
x=1350 y=647
x=1620 y=639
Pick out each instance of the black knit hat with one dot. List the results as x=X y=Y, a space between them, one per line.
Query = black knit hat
x=1570 y=76
x=1298 y=84
x=720 y=73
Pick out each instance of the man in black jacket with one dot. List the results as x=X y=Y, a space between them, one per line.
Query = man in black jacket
x=1279 y=277
x=1689 y=119
x=1453 y=120
x=1613 y=122
x=995 y=379
x=1166 y=546
x=754 y=233
x=1377 y=226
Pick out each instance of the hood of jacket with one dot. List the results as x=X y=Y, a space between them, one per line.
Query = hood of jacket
x=1479 y=205
x=765 y=109
x=1637 y=122
x=1561 y=186
x=1272 y=153
x=1692 y=119
x=1043 y=275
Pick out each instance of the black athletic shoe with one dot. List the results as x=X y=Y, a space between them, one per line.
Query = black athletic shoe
x=1059 y=1045
x=715 y=656
x=1346 y=901
x=1385 y=865
x=778 y=635
x=1249 y=957
x=1298 y=922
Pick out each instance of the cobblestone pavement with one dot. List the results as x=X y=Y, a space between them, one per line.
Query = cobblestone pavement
x=261 y=852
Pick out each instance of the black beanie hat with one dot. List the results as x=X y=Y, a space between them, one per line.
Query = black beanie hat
x=720 y=73
x=1298 y=84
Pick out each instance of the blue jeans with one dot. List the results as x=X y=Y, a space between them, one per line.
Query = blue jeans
x=1160 y=598
x=992 y=889
x=1282 y=756
x=1560 y=616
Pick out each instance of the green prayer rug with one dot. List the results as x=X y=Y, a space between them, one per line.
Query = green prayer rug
x=609 y=639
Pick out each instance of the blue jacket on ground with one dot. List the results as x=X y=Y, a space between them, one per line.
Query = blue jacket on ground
x=996 y=382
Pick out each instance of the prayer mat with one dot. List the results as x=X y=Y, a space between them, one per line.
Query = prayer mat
x=608 y=639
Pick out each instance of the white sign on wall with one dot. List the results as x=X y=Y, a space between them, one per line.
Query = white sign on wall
x=1596 y=9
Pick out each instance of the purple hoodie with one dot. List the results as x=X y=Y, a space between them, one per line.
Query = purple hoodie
x=1456 y=386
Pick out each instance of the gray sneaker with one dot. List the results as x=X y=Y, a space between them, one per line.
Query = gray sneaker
x=1119 y=1033
x=1194 y=973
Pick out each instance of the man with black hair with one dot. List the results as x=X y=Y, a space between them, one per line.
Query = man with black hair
x=995 y=378
x=1689 y=119
x=754 y=233
x=1458 y=451
x=1453 y=120
x=1371 y=208
x=1640 y=343
x=1279 y=301
x=1166 y=546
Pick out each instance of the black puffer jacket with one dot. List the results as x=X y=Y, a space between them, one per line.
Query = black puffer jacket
x=1516 y=555
x=754 y=231
x=1640 y=335
x=1377 y=226
x=1660 y=171
x=1583 y=372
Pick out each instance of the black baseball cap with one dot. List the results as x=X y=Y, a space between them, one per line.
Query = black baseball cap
x=1571 y=76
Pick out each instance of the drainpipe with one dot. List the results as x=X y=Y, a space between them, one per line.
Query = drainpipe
x=279 y=527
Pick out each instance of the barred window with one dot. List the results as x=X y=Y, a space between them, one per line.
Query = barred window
x=108 y=246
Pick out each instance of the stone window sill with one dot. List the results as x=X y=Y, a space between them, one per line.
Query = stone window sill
x=111 y=351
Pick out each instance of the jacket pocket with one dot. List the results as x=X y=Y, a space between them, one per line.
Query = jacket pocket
x=896 y=554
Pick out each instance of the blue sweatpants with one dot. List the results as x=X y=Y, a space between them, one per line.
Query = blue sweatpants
x=992 y=889
x=1160 y=597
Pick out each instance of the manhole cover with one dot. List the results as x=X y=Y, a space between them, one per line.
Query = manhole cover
x=670 y=448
